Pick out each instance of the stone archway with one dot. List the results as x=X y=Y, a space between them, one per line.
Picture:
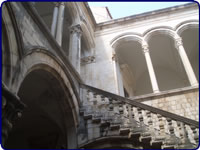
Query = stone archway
x=131 y=65
x=189 y=33
x=48 y=117
x=167 y=64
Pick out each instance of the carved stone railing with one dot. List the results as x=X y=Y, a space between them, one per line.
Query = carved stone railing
x=108 y=115
x=12 y=109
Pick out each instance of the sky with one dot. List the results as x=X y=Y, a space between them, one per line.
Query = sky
x=123 y=9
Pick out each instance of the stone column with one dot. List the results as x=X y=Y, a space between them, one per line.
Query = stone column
x=60 y=23
x=75 y=46
x=54 y=20
x=152 y=75
x=117 y=75
x=186 y=62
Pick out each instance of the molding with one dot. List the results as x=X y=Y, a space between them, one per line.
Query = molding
x=88 y=60
x=150 y=14
x=16 y=28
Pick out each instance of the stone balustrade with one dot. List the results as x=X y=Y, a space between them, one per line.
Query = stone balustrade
x=109 y=115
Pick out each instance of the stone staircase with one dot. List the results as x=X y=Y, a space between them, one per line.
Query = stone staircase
x=111 y=121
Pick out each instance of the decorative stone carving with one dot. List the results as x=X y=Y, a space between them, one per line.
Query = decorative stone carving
x=82 y=18
x=57 y=4
x=114 y=57
x=61 y=3
x=76 y=29
x=179 y=42
x=11 y=110
x=145 y=48
x=88 y=60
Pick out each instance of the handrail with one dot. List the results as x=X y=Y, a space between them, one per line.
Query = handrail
x=143 y=106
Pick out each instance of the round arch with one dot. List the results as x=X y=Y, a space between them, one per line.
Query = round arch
x=131 y=68
x=41 y=73
x=11 y=44
x=189 y=33
x=165 y=58
x=186 y=25
x=87 y=36
x=126 y=37
x=39 y=58
x=159 y=30
x=112 y=142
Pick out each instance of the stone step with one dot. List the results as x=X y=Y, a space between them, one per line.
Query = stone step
x=96 y=120
x=114 y=127
x=168 y=147
x=156 y=144
x=105 y=124
x=124 y=131
x=87 y=117
x=146 y=139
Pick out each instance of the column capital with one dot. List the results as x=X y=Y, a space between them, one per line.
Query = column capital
x=56 y=4
x=61 y=3
x=114 y=57
x=178 y=41
x=145 y=47
x=76 y=29
x=88 y=60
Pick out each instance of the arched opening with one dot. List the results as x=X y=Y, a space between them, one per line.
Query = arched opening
x=167 y=64
x=48 y=117
x=133 y=68
x=190 y=39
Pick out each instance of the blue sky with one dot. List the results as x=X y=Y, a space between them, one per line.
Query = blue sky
x=122 y=9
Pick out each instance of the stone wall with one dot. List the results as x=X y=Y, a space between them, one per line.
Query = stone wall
x=183 y=102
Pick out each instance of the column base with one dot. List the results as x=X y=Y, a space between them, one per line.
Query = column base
x=156 y=91
x=196 y=85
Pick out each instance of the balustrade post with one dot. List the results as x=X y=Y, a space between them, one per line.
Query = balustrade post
x=161 y=125
x=196 y=136
x=150 y=122
x=170 y=126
